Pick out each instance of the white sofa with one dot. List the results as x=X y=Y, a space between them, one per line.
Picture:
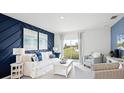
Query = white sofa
x=36 y=69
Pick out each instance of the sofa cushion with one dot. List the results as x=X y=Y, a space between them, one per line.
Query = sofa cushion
x=27 y=57
x=96 y=54
x=51 y=56
x=46 y=55
x=105 y=66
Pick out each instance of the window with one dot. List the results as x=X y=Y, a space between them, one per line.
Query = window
x=30 y=39
x=43 y=39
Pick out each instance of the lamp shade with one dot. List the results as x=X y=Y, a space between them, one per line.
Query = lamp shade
x=18 y=51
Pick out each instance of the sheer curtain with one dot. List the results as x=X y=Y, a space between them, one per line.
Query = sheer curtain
x=58 y=42
x=61 y=44
x=81 y=46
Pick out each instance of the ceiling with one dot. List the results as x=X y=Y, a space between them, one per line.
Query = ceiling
x=64 y=22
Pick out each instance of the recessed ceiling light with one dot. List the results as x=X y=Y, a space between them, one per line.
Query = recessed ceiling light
x=62 y=17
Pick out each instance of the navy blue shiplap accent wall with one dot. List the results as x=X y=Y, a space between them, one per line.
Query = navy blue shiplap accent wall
x=11 y=36
x=117 y=29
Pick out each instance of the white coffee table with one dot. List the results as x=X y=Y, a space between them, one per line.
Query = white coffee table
x=63 y=69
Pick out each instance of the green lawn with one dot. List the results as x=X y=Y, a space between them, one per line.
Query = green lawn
x=70 y=52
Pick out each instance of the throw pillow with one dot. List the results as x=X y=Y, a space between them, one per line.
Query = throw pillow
x=120 y=66
x=34 y=58
x=96 y=54
x=39 y=55
x=51 y=56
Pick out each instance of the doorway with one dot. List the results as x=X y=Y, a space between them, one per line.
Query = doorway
x=71 y=49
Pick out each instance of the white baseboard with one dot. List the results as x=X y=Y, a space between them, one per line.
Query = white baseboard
x=7 y=77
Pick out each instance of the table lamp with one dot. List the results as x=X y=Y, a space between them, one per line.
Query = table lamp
x=18 y=52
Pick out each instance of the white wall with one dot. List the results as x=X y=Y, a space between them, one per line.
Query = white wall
x=58 y=41
x=97 y=40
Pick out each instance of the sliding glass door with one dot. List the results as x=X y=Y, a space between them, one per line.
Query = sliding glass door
x=71 y=46
x=71 y=50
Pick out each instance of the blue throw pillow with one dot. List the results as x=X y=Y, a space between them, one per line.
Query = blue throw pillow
x=39 y=55
x=57 y=55
x=52 y=56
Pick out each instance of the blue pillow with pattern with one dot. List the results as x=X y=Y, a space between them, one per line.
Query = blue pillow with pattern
x=39 y=55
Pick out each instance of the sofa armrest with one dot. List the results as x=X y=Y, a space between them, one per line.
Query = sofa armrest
x=104 y=66
x=28 y=68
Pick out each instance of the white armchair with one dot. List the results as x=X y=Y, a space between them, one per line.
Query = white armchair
x=94 y=58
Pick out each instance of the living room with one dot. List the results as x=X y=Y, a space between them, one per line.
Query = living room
x=81 y=41
x=66 y=46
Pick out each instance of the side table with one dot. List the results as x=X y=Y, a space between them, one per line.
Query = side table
x=16 y=70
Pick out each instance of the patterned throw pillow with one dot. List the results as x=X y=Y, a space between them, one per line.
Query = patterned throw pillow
x=39 y=55
x=51 y=56
x=34 y=58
